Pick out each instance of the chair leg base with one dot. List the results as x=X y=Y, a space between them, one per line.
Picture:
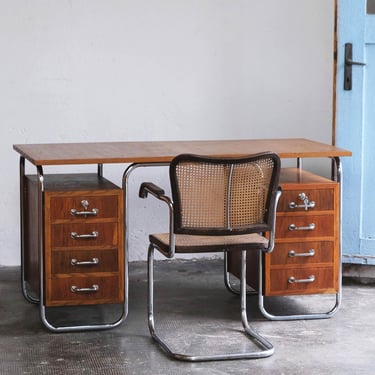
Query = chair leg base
x=266 y=348
x=230 y=285
x=214 y=357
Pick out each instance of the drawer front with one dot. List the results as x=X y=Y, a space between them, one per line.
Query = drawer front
x=303 y=226
x=302 y=253
x=84 y=207
x=301 y=281
x=293 y=200
x=70 y=262
x=85 y=290
x=84 y=235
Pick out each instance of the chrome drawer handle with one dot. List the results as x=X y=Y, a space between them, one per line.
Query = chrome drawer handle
x=93 y=212
x=309 y=227
x=305 y=206
x=75 y=289
x=306 y=203
x=310 y=253
x=75 y=262
x=293 y=280
x=77 y=236
x=85 y=204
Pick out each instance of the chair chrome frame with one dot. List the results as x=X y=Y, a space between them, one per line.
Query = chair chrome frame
x=266 y=349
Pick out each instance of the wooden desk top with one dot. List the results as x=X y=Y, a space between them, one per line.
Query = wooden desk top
x=164 y=151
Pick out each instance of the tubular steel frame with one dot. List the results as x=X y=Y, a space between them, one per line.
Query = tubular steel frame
x=336 y=176
x=40 y=299
x=266 y=348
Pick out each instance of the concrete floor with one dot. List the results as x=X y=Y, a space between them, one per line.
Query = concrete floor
x=204 y=312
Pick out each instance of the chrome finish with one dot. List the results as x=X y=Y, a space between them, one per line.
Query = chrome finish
x=85 y=204
x=75 y=289
x=306 y=203
x=336 y=176
x=93 y=212
x=76 y=236
x=229 y=191
x=271 y=243
x=271 y=240
x=299 y=163
x=267 y=348
x=24 y=289
x=228 y=282
x=292 y=227
x=76 y=262
x=37 y=300
x=307 y=316
x=293 y=280
x=293 y=254
x=125 y=188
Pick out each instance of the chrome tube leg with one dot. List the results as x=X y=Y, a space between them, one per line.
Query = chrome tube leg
x=227 y=282
x=125 y=187
x=42 y=307
x=267 y=347
x=150 y=306
x=150 y=295
x=25 y=292
x=41 y=239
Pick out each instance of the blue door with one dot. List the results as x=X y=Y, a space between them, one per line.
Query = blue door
x=355 y=127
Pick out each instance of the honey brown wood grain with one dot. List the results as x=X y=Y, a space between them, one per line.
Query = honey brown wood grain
x=63 y=192
x=164 y=151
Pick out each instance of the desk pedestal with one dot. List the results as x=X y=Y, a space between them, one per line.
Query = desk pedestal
x=306 y=257
x=79 y=257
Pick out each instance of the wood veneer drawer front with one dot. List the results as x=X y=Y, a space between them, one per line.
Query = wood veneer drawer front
x=74 y=207
x=84 y=235
x=293 y=200
x=85 y=290
x=302 y=226
x=303 y=252
x=66 y=262
x=301 y=281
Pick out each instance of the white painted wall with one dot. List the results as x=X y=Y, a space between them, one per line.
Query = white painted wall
x=94 y=70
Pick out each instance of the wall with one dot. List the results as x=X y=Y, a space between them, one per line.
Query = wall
x=90 y=70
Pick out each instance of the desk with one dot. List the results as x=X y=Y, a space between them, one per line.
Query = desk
x=136 y=154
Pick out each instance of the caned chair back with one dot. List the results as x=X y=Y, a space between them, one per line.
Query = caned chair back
x=224 y=196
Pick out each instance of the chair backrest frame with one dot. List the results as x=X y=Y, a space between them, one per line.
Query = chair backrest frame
x=267 y=167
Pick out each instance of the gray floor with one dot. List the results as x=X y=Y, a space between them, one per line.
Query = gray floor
x=204 y=312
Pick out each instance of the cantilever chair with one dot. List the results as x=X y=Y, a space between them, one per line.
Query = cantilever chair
x=218 y=205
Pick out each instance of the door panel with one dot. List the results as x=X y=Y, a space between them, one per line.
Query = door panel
x=355 y=130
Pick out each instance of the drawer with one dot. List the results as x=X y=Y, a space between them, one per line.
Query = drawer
x=296 y=226
x=325 y=281
x=84 y=235
x=74 y=208
x=297 y=253
x=291 y=200
x=67 y=262
x=88 y=290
